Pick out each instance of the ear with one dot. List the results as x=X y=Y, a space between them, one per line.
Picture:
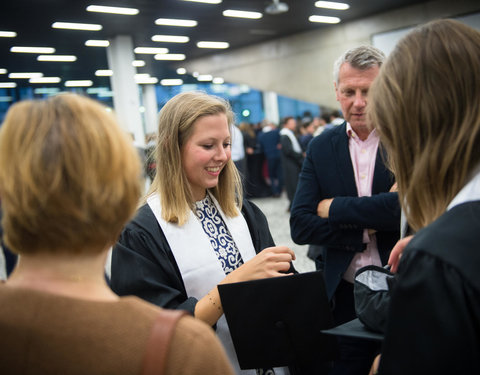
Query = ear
x=336 y=91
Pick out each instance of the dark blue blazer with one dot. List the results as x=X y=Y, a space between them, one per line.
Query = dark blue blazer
x=327 y=172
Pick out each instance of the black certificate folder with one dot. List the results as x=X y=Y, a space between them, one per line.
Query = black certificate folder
x=278 y=321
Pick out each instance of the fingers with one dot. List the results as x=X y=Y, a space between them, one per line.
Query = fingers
x=397 y=252
x=280 y=250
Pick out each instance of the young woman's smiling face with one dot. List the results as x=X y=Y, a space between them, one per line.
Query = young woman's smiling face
x=206 y=152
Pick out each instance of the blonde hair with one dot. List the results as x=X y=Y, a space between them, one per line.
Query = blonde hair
x=176 y=124
x=69 y=176
x=424 y=104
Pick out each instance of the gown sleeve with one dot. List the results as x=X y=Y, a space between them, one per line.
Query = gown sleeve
x=432 y=324
x=143 y=265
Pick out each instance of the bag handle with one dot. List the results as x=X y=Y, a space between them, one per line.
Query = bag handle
x=157 y=345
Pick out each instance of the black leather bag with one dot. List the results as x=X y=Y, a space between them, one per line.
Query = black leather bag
x=372 y=288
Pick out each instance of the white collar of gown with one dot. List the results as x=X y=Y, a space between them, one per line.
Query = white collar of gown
x=470 y=192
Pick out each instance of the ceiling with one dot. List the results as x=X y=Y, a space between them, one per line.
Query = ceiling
x=32 y=20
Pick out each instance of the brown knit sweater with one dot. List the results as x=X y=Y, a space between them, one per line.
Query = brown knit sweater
x=43 y=333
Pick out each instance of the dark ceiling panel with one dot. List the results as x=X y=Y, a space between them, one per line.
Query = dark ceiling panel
x=32 y=20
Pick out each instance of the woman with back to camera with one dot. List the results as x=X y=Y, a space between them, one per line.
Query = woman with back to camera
x=195 y=230
x=69 y=181
x=425 y=105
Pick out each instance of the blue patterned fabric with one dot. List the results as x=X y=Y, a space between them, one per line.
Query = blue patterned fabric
x=220 y=238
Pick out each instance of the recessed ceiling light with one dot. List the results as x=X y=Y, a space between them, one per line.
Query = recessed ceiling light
x=218 y=80
x=204 y=77
x=170 y=38
x=8 y=34
x=206 y=1
x=146 y=80
x=150 y=50
x=170 y=56
x=97 y=43
x=181 y=71
x=332 y=5
x=78 y=83
x=77 y=26
x=324 y=19
x=171 y=82
x=63 y=58
x=45 y=80
x=104 y=73
x=176 y=22
x=3 y=71
x=138 y=63
x=18 y=49
x=205 y=44
x=113 y=10
x=24 y=75
x=242 y=14
x=8 y=85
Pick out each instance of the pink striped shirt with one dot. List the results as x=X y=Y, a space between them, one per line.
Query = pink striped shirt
x=363 y=155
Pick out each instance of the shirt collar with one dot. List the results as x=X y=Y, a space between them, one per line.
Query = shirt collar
x=351 y=133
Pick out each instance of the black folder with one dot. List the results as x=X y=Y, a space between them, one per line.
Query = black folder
x=278 y=321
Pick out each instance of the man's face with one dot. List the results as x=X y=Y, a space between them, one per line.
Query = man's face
x=351 y=92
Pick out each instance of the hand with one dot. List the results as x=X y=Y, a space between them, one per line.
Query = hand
x=396 y=253
x=323 y=208
x=270 y=262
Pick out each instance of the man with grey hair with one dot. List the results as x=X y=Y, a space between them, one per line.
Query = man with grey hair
x=345 y=201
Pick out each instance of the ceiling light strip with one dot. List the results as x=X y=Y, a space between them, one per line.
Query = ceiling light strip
x=242 y=14
x=171 y=82
x=332 y=5
x=324 y=19
x=113 y=10
x=150 y=50
x=78 y=83
x=170 y=38
x=77 y=26
x=97 y=43
x=62 y=58
x=205 y=1
x=45 y=80
x=217 y=45
x=21 y=49
x=175 y=22
x=8 y=85
x=25 y=75
x=170 y=56
x=8 y=34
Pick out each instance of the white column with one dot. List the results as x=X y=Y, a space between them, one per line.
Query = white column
x=151 y=108
x=270 y=105
x=126 y=94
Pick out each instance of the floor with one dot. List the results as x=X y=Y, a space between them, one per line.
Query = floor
x=275 y=209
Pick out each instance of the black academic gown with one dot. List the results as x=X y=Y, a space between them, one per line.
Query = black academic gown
x=143 y=263
x=434 y=319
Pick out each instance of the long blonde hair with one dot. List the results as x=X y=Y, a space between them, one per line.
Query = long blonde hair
x=425 y=106
x=176 y=124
